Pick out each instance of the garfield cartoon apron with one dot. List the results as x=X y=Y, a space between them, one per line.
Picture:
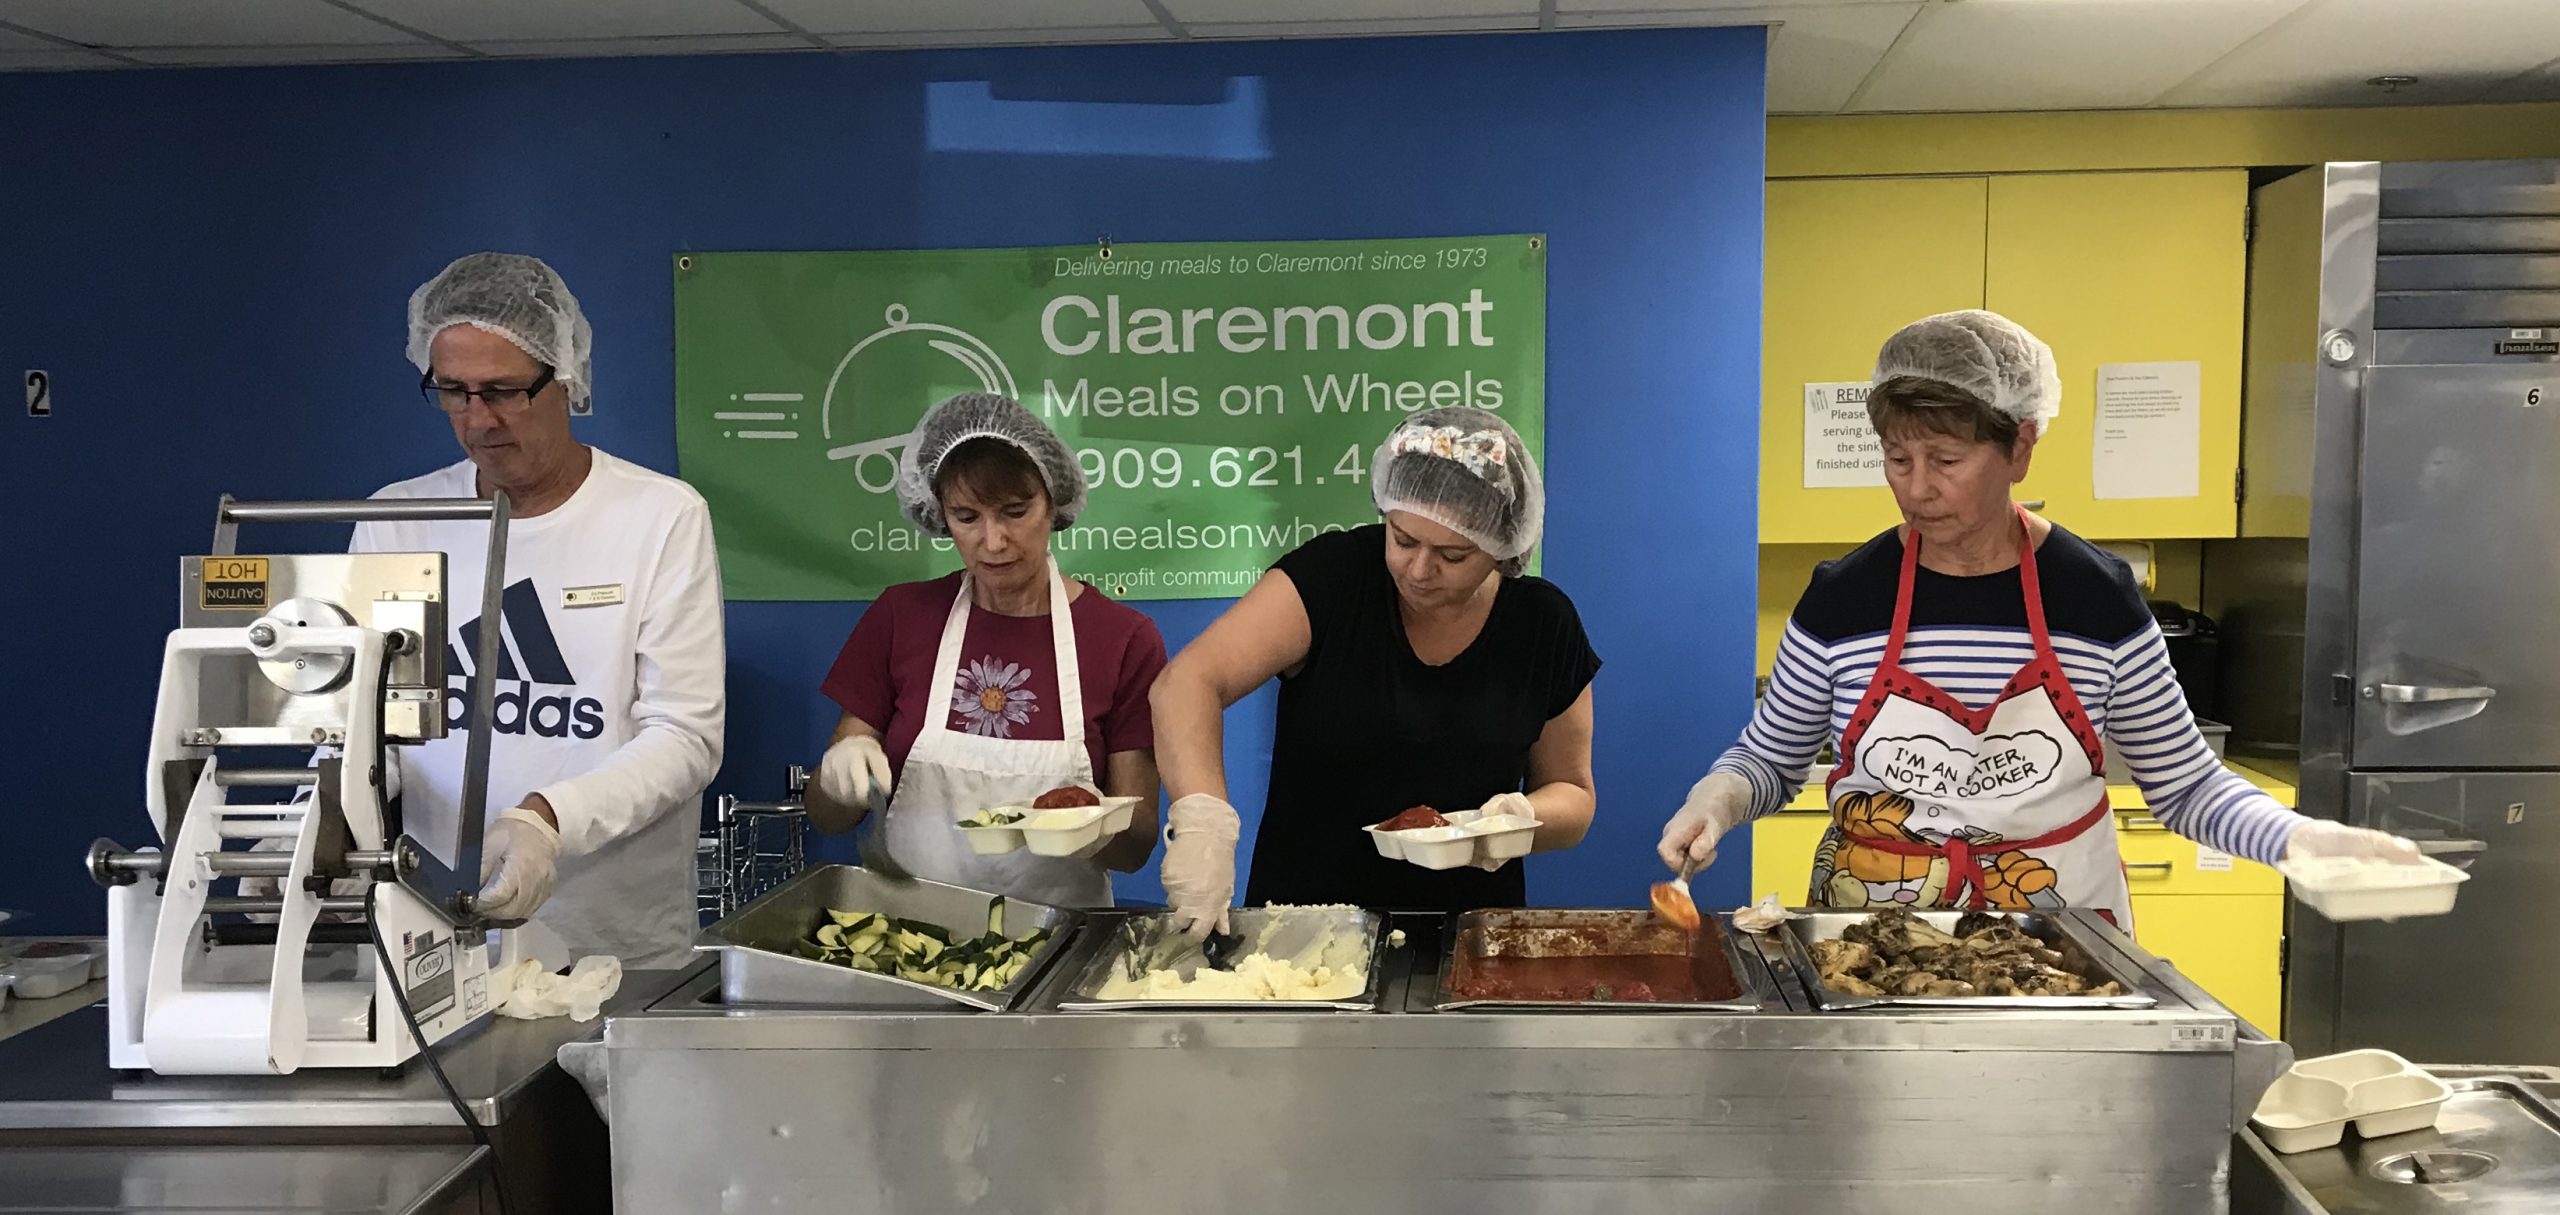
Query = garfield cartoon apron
x=1936 y=805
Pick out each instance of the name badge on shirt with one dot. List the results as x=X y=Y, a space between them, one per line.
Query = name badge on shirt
x=591 y=596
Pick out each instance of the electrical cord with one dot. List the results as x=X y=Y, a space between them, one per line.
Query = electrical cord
x=400 y=997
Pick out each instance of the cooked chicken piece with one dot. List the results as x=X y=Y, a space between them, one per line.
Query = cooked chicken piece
x=1830 y=956
x=2108 y=988
x=1974 y=922
x=1895 y=952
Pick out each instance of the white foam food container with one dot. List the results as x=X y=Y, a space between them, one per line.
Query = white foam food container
x=2302 y=1113
x=1470 y=837
x=996 y=841
x=1068 y=832
x=2386 y=1094
x=1121 y=812
x=1499 y=837
x=2346 y=888
x=45 y=978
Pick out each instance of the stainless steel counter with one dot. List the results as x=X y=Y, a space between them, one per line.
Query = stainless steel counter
x=55 y=1077
x=381 y=1180
x=129 y=1140
x=19 y=1016
x=1781 y=1110
x=2494 y=1149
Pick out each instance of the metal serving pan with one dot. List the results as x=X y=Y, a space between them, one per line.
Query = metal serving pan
x=2058 y=933
x=1283 y=931
x=1716 y=960
x=759 y=945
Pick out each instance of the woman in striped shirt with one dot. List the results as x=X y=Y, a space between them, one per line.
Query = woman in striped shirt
x=1972 y=664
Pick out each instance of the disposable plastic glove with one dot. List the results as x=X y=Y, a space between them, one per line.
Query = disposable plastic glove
x=1199 y=869
x=1515 y=804
x=855 y=772
x=2321 y=837
x=1717 y=804
x=519 y=861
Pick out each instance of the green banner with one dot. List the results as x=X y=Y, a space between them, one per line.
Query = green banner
x=1223 y=399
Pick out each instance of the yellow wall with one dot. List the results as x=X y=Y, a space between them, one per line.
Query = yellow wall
x=1884 y=145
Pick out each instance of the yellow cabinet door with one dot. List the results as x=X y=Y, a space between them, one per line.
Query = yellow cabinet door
x=1782 y=855
x=2126 y=268
x=1847 y=262
x=2231 y=944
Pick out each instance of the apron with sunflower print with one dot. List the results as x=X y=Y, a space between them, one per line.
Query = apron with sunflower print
x=951 y=775
x=1936 y=805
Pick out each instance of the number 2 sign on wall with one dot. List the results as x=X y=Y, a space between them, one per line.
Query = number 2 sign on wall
x=39 y=395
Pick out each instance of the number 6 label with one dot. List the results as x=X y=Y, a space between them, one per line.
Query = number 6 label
x=2533 y=396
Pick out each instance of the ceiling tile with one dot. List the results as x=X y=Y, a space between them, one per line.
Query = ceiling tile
x=1364 y=28
x=1818 y=55
x=56 y=60
x=945 y=16
x=598 y=48
x=2324 y=54
x=542 y=20
x=1293 y=13
x=1001 y=37
x=2540 y=84
x=2039 y=55
x=264 y=56
x=1714 y=9
x=1818 y=52
x=196 y=22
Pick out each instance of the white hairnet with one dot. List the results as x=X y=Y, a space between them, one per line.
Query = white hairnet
x=984 y=415
x=1983 y=353
x=519 y=299
x=1467 y=471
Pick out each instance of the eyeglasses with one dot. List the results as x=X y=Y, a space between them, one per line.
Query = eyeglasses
x=500 y=398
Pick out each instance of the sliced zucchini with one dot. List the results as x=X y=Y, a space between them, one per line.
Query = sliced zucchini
x=831 y=935
x=846 y=919
x=995 y=916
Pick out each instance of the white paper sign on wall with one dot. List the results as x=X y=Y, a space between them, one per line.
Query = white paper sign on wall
x=1840 y=447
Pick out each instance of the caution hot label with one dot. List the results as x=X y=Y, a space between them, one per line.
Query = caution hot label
x=235 y=582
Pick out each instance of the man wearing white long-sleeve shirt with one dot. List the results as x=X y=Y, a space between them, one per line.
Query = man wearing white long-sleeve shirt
x=611 y=659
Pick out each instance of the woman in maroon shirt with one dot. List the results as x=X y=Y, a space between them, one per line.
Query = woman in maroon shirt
x=994 y=684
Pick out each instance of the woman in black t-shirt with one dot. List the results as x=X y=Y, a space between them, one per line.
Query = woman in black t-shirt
x=1417 y=666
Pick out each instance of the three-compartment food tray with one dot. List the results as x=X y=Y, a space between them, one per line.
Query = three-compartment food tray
x=2382 y=1094
x=1471 y=837
x=1072 y=831
x=2082 y=954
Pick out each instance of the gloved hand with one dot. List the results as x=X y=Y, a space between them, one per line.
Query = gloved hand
x=855 y=773
x=1517 y=805
x=519 y=860
x=1717 y=804
x=2320 y=837
x=1199 y=869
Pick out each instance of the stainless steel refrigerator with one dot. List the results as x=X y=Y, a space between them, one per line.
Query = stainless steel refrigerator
x=2400 y=566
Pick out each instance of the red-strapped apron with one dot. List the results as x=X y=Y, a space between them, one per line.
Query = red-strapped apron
x=1936 y=805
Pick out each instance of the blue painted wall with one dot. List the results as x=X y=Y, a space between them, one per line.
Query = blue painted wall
x=213 y=266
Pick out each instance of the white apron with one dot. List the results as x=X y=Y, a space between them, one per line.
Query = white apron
x=951 y=775
x=1938 y=805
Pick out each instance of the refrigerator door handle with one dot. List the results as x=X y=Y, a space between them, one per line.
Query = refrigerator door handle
x=2417 y=694
x=2452 y=847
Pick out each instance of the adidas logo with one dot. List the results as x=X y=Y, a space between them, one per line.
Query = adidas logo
x=528 y=655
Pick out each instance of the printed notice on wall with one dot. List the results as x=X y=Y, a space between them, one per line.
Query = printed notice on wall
x=1840 y=448
x=2149 y=430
